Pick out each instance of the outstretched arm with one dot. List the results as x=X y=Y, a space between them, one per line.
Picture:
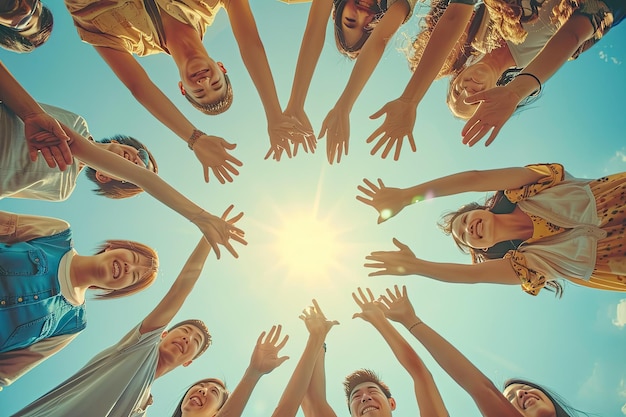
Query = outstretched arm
x=489 y=400
x=318 y=327
x=400 y=113
x=216 y=230
x=310 y=51
x=404 y=262
x=182 y=286
x=264 y=360
x=37 y=123
x=336 y=125
x=314 y=403
x=212 y=151
x=281 y=128
x=426 y=393
x=498 y=104
x=390 y=201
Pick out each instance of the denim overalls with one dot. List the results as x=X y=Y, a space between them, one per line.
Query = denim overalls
x=31 y=305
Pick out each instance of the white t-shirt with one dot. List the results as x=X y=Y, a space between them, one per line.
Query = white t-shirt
x=22 y=178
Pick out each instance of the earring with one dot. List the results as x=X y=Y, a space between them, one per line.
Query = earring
x=219 y=64
x=182 y=89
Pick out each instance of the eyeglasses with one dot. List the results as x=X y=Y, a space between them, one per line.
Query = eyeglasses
x=145 y=158
x=25 y=21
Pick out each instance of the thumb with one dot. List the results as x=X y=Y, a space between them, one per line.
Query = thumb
x=228 y=145
x=475 y=98
x=379 y=113
x=282 y=359
x=59 y=132
x=357 y=315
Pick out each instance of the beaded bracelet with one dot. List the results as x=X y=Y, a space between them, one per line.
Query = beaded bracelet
x=194 y=137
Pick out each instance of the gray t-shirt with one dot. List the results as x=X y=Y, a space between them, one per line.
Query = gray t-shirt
x=22 y=178
x=115 y=383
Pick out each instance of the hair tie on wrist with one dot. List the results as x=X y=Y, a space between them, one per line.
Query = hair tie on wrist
x=415 y=324
x=537 y=91
x=324 y=346
x=194 y=137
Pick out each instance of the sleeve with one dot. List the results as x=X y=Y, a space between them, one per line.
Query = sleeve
x=22 y=227
x=602 y=17
x=468 y=2
x=532 y=281
x=552 y=175
x=16 y=363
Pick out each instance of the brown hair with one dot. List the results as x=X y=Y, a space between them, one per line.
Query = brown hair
x=217 y=107
x=13 y=40
x=360 y=376
x=140 y=285
x=498 y=204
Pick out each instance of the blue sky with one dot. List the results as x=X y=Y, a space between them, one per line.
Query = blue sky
x=574 y=345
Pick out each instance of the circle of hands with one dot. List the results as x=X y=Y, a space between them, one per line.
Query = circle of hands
x=265 y=354
x=394 y=305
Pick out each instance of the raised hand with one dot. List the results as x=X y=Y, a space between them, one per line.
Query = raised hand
x=285 y=131
x=44 y=133
x=309 y=141
x=336 y=128
x=219 y=231
x=397 y=306
x=212 y=151
x=315 y=321
x=401 y=262
x=398 y=124
x=495 y=108
x=265 y=355
x=387 y=201
x=370 y=308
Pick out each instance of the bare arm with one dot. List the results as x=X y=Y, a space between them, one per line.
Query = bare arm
x=336 y=125
x=36 y=121
x=314 y=403
x=426 y=393
x=212 y=151
x=489 y=400
x=318 y=327
x=390 y=201
x=498 y=104
x=404 y=262
x=216 y=230
x=264 y=360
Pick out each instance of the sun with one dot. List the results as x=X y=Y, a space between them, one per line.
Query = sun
x=307 y=246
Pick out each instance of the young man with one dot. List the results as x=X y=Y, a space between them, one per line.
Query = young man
x=116 y=382
x=365 y=393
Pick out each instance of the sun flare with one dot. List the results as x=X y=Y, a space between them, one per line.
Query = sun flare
x=307 y=246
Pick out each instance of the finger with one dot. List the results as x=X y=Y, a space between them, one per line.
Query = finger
x=381 y=184
x=412 y=142
x=287 y=148
x=206 y=173
x=357 y=316
x=65 y=150
x=235 y=161
x=362 y=294
x=471 y=123
x=33 y=153
x=281 y=360
x=224 y=173
x=404 y=293
x=370 y=184
x=399 y=244
x=382 y=141
x=230 y=249
x=357 y=300
x=371 y=295
x=58 y=157
x=227 y=212
x=388 y=148
x=227 y=145
x=374 y=135
x=47 y=156
x=268 y=154
x=231 y=168
x=386 y=301
x=475 y=98
x=271 y=336
x=259 y=340
x=378 y=273
x=364 y=200
x=317 y=307
x=484 y=129
x=390 y=294
x=493 y=135
x=396 y=156
x=283 y=343
x=379 y=113
x=218 y=175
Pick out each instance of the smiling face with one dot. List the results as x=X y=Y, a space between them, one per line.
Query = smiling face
x=139 y=157
x=203 y=80
x=529 y=401
x=368 y=399
x=180 y=345
x=473 y=79
x=204 y=399
x=20 y=14
x=353 y=20
x=122 y=268
x=475 y=229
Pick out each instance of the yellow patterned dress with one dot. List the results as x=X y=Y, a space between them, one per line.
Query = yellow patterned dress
x=610 y=196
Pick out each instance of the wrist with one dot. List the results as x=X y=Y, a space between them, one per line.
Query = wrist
x=409 y=100
x=523 y=85
x=195 y=135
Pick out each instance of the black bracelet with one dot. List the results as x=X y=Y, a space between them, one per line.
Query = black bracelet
x=537 y=91
x=324 y=346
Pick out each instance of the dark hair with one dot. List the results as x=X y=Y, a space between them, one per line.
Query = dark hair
x=13 y=40
x=497 y=204
x=353 y=51
x=509 y=75
x=118 y=189
x=560 y=405
x=141 y=284
x=217 y=107
x=177 y=411
x=360 y=376
x=199 y=324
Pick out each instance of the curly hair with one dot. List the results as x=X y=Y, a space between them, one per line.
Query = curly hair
x=498 y=204
x=508 y=16
x=13 y=40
